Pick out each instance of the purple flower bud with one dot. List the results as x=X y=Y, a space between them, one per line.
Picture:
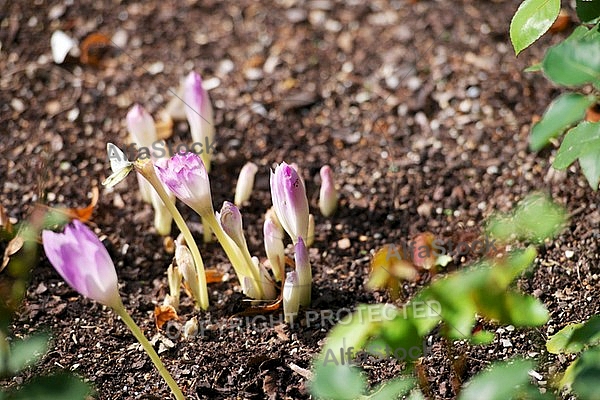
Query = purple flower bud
x=243 y=188
x=83 y=262
x=230 y=220
x=199 y=114
x=186 y=176
x=328 y=196
x=140 y=126
x=304 y=272
x=289 y=201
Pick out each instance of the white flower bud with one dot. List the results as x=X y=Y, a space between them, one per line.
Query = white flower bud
x=291 y=303
x=190 y=329
x=245 y=183
x=328 y=195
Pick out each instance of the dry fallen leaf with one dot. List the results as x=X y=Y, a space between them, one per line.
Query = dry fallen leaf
x=93 y=48
x=5 y=224
x=213 y=275
x=276 y=305
x=83 y=214
x=163 y=314
x=13 y=247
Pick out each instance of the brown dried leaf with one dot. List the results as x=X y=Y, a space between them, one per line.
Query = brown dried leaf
x=213 y=276
x=83 y=214
x=93 y=47
x=389 y=266
x=163 y=314
x=5 y=224
x=262 y=309
x=13 y=247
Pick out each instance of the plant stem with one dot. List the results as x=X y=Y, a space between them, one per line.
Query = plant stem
x=147 y=171
x=235 y=255
x=207 y=231
x=139 y=335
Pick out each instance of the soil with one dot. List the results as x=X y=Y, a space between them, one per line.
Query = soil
x=420 y=107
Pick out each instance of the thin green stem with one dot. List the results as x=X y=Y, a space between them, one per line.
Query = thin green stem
x=207 y=231
x=139 y=335
x=147 y=171
x=242 y=266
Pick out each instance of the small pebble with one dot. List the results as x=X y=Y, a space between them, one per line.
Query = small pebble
x=569 y=253
x=344 y=244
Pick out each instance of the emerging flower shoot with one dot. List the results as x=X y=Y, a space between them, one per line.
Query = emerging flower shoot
x=199 y=114
x=289 y=201
x=142 y=133
x=328 y=195
x=273 y=237
x=185 y=263
x=245 y=183
x=185 y=175
x=304 y=272
x=174 y=278
x=311 y=230
x=291 y=297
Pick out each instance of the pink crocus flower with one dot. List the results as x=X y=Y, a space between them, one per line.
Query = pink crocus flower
x=199 y=114
x=289 y=201
x=82 y=260
x=185 y=175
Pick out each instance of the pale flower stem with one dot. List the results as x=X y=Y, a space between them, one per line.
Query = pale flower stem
x=141 y=338
x=235 y=254
x=207 y=231
x=150 y=175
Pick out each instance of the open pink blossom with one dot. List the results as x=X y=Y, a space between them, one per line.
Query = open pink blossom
x=82 y=260
x=186 y=176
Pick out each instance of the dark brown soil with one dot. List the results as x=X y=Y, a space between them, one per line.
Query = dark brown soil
x=421 y=109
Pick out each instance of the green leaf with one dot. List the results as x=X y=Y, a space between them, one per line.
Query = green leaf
x=392 y=389
x=559 y=342
x=335 y=381
x=563 y=112
x=568 y=376
x=588 y=333
x=576 y=61
x=534 y=219
x=590 y=166
x=579 y=141
x=54 y=387
x=502 y=381
x=532 y=19
x=534 y=68
x=586 y=373
x=587 y=11
x=537 y=218
x=27 y=352
x=574 y=337
x=416 y=395
x=354 y=330
x=483 y=338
